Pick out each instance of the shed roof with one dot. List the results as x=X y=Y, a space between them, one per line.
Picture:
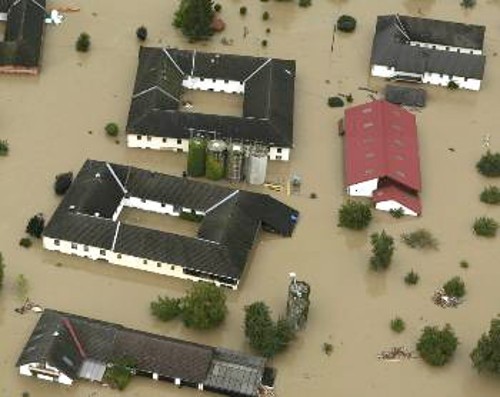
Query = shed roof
x=397 y=193
x=381 y=141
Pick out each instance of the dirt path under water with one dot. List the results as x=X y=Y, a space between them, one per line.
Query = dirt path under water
x=47 y=121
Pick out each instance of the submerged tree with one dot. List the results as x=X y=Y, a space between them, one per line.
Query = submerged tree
x=204 y=306
x=382 y=250
x=63 y=182
x=194 y=18
x=35 y=226
x=141 y=33
x=355 y=215
x=2 y=270
x=436 y=346
x=489 y=164
x=166 y=309
x=486 y=355
x=83 y=42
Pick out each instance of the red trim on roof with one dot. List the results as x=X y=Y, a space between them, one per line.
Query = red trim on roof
x=381 y=141
x=72 y=332
x=395 y=193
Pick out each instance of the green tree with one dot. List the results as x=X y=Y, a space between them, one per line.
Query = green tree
x=346 y=23
x=455 y=287
x=490 y=195
x=489 y=164
x=35 y=226
x=4 y=148
x=435 y=346
x=194 y=19
x=485 y=227
x=398 y=325
x=166 y=309
x=119 y=373
x=486 y=355
x=2 y=270
x=382 y=250
x=112 y=129
x=420 y=239
x=355 y=215
x=204 y=307
x=83 y=42
x=62 y=183
x=141 y=33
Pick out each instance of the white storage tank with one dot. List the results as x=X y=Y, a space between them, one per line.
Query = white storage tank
x=256 y=165
x=235 y=162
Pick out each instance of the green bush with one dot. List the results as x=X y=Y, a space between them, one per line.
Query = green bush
x=204 y=307
x=166 y=309
x=191 y=216
x=412 y=278
x=420 y=239
x=490 y=195
x=305 y=3
x=217 y=7
x=464 y=264
x=243 y=10
x=197 y=157
x=119 y=373
x=83 y=42
x=485 y=227
x=489 y=164
x=2 y=270
x=25 y=242
x=346 y=23
x=486 y=355
x=382 y=250
x=397 y=213
x=62 y=183
x=452 y=85
x=327 y=348
x=141 y=33
x=194 y=19
x=455 y=287
x=4 y=148
x=435 y=346
x=355 y=215
x=266 y=16
x=112 y=129
x=35 y=226
x=398 y=325
x=335 y=102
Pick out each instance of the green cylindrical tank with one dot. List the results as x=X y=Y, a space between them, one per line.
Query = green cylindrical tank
x=197 y=156
x=216 y=160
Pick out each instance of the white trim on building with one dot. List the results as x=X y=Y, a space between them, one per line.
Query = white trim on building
x=215 y=85
x=392 y=205
x=449 y=48
x=45 y=372
x=363 y=189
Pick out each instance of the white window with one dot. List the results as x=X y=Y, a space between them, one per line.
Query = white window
x=158 y=264
x=119 y=256
x=164 y=140
x=145 y=262
x=74 y=246
x=279 y=150
x=86 y=248
x=278 y=157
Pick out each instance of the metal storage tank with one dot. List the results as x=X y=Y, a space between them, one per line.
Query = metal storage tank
x=196 y=156
x=235 y=162
x=256 y=165
x=216 y=160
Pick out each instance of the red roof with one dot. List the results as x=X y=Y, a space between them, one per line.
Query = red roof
x=381 y=141
x=395 y=193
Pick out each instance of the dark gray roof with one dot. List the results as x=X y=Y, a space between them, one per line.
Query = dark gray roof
x=23 y=33
x=225 y=238
x=391 y=47
x=405 y=95
x=224 y=370
x=268 y=99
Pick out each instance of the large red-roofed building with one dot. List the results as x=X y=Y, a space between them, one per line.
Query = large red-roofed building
x=381 y=156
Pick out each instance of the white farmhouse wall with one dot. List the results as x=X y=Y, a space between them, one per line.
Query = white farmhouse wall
x=392 y=205
x=449 y=48
x=216 y=85
x=383 y=71
x=26 y=370
x=363 y=189
x=153 y=206
x=158 y=143
x=278 y=153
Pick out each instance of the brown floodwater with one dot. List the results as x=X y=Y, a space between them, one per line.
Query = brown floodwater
x=55 y=121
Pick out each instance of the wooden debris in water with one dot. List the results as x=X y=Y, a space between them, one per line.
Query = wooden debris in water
x=396 y=353
x=441 y=299
x=29 y=306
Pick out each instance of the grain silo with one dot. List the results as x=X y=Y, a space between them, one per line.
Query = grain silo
x=235 y=162
x=256 y=165
x=196 y=156
x=215 y=165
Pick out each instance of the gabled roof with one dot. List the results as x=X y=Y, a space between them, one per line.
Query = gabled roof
x=267 y=106
x=23 y=34
x=396 y=193
x=391 y=46
x=225 y=238
x=381 y=142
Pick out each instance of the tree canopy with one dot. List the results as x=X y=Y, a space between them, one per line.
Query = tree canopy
x=486 y=354
x=382 y=250
x=355 y=215
x=194 y=19
x=35 y=226
x=437 y=346
x=204 y=306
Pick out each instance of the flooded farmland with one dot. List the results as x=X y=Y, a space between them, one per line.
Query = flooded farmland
x=55 y=121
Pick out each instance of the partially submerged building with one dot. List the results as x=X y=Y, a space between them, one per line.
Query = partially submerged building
x=64 y=348
x=20 y=51
x=405 y=96
x=428 y=51
x=155 y=119
x=381 y=158
x=86 y=223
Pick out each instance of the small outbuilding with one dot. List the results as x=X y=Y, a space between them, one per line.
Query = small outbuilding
x=406 y=96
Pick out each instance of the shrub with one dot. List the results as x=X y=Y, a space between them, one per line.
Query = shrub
x=266 y=337
x=204 y=307
x=464 y=264
x=268 y=30
x=217 y=7
x=4 y=148
x=397 y=213
x=25 y=242
x=452 y=85
x=327 y=348
x=490 y=195
x=83 y=42
x=468 y=3
x=35 y=226
x=398 y=325
x=346 y=23
x=485 y=227
x=313 y=196
x=489 y=164
x=142 y=33
x=191 y=216
x=263 y=43
x=420 y=239
x=486 y=354
x=194 y=18
x=349 y=98
x=62 y=183
x=119 y=373
x=243 y=11
x=335 y=102
x=455 y=287
x=355 y=215
x=112 y=129
x=412 y=278
x=266 y=16
x=382 y=250
x=166 y=309
x=2 y=270
x=305 y=3
x=436 y=347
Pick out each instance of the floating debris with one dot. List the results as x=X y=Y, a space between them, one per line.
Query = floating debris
x=29 y=306
x=441 y=299
x=396 y=353
x=266 y=391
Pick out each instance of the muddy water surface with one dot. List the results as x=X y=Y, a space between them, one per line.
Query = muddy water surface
x=55 y=121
